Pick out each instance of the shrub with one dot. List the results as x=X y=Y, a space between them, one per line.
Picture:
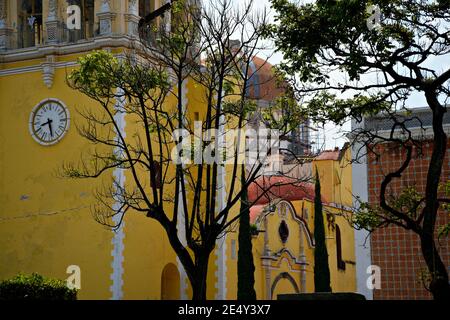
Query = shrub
x=35 y=287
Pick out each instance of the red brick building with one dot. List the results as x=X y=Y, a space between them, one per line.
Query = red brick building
x=395 y=250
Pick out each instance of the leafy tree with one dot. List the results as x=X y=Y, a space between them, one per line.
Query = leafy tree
x=321 y=268
x=347 y=61
x=246 y=267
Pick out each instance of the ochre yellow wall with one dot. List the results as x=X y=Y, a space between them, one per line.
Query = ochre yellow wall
x=35 y=240
x=335 y=179
x=335 y=186
x=44 y=242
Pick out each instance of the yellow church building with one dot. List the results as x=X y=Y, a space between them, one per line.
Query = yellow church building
x=46 y=224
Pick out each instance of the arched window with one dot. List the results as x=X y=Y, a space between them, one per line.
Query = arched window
x=340 y=262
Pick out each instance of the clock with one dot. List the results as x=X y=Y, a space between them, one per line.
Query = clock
x=49 y=121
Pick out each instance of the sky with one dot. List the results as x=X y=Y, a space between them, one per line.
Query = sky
x=327 y=137
x=332 y=136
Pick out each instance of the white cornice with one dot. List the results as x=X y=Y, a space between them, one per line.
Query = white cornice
x=65 y=48
x=35 y=68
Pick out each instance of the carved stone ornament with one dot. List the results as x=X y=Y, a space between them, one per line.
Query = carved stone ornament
x=48 y=71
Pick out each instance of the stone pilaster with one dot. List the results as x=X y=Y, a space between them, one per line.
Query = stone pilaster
x=51 y=23
x=167 y=20
x=132 y=18
x=106 y=18
x=5 y=31
x=48 y=71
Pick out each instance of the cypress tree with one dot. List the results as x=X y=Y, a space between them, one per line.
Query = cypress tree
x=321 y=268
x=246 y=268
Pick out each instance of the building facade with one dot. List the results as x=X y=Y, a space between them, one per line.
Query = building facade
x=46 y=224
x=395 y=250
x=284 y=245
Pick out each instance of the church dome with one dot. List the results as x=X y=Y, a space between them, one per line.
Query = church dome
x=263 y=84
x=279 y=187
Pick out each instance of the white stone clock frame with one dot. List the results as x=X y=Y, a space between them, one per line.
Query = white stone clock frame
x=30 y=123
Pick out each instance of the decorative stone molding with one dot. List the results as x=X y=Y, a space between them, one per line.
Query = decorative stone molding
x=3 y=13
x=52 y=10
x=106 y=19
x=48 y=71
x=5 y=34
x=52 y=23
x=132 y=18
x=118 y=244
x=167 y=20
x=52 y=31
x=133 y=7
x=106 y=6
x=4 y=30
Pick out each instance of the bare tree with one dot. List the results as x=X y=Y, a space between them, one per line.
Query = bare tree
x=167 y=166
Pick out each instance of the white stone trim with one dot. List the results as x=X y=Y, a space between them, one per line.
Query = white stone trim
x=181 y=221
x=221 y=243
x=116 y=287
x=82 y=46
x=294 y=216
x=416 y=132
x=277 y=255
x=362 y=237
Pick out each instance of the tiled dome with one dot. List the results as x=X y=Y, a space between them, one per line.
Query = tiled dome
x=263 y=84
x=285 y=188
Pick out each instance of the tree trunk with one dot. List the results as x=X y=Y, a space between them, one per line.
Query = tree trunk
x=246 y=266
x=199 y=276
x=439 y=286
x=321 y=267
x=196 y=272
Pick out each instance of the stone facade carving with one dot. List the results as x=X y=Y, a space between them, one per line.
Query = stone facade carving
x=105 y=26
x=106 y=18
x=52 y=9
x=3 y=9
x=48 y=71
x=4 y=30
x=106 y=5
x=132 y=18
x=132 y=7
x=3 y=13
x=52 y=22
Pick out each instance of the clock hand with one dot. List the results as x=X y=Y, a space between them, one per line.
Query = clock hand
x=49 y=123
x=50 y=126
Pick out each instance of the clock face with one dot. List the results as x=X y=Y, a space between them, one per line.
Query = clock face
x=49 y=122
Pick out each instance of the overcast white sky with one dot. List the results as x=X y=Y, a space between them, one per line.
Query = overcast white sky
x=331 y=135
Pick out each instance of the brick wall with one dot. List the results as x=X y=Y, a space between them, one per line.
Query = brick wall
x=394 y=249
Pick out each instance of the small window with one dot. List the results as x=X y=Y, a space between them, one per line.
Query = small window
x=340 y=262
x=283 y=231
x=196 y=116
